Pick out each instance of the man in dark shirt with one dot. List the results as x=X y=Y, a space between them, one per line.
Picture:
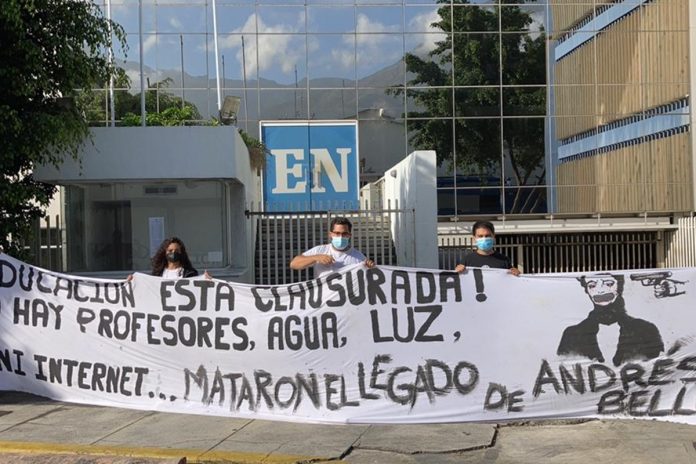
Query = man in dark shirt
x=485 y=255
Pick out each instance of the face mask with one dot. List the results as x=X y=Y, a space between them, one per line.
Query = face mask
x=174 y=256
x=340 y=243
x=485 y=243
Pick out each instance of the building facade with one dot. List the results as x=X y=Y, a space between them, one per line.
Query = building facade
x=621 y=106
x=556 y=119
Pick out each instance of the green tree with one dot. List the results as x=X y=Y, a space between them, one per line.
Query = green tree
x=470 y=62
x=49 y=49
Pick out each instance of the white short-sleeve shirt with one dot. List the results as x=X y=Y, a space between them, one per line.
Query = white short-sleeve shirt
x=341 y=259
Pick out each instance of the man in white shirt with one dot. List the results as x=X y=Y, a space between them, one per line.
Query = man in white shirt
x=332 y=256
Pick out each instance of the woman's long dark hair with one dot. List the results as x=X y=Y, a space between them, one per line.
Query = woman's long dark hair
x=159 y=260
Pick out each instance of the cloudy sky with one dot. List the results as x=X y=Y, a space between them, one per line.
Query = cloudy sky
x=334 y=33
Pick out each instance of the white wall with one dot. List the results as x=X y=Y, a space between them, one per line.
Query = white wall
x=412 y=184
x=132 y=156
x=154 y=153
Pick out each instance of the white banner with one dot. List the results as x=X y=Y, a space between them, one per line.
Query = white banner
x=384 y=345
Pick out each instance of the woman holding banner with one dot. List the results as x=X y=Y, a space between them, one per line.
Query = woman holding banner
x=171 y=261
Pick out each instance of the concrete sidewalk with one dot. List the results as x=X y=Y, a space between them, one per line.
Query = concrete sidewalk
x=36 y=430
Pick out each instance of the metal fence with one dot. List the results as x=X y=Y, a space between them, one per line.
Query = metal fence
x=570 y=252
x=283 y=235
x=46 y=247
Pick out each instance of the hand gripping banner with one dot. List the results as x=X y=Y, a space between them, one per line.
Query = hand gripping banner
x=381 y=345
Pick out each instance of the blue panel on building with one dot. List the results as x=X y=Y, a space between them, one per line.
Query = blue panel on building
x=311 y=166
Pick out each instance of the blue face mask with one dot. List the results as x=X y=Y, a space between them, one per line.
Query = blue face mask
x=340 y=243
x=485 y=243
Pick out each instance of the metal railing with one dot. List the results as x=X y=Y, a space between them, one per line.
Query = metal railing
x=680 y=244
x=280 y=236
x=46 y=246
x=569 y=252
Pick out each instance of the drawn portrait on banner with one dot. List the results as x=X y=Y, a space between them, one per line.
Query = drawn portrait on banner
x=637 y=339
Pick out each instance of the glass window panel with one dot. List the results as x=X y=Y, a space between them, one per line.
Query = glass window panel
x=343 y=98
x=422 y=44
x=421 y=18
x=334 y=19
x=126 y=102
x=378 y=2
x=390 y=76
x=96 y=109
x=524 y=164
x=478 y=149
x=476 y=59
x=284 y=104
x=421 y=2
x=127 y=16
x=379 y=104
x=524 y=101
x=194 y=48
x=248 y=110
x=234 y=18
x=429 y=103
x=479 y=200
x=382 y=145
x=328 y=2
x=281 y=2
x=199 y=99
x=432 y=134
x=281 y=18
x=379 y=19
x=331 y=56
x=477 y=101
x=326 y=104
x=375 y=51
x=181 y=18
x=132 y=62
x=526 y=199
x=169 y=53
x=523 y=18
x=232 y=3
x=474 y=18
x=237 y=58
x=524 y=59
x=280 y=56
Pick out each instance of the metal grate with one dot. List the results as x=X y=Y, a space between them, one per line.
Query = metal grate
x=282 y=236
x=577 y=252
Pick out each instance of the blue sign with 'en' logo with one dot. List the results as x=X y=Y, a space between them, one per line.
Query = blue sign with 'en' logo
x=310 y=166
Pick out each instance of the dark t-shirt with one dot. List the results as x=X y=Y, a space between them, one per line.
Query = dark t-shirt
x=495 y=260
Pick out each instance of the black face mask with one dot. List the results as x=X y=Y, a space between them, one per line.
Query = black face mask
x=174 y=257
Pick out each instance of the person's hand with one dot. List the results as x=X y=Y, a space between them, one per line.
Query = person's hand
x=326 y=260
x=460 y=268
x=514 y=271
x=206 y=275
x=129 y=278
x=369 y=263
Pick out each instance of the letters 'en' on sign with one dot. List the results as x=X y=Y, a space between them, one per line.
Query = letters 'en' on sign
x=311 y=165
